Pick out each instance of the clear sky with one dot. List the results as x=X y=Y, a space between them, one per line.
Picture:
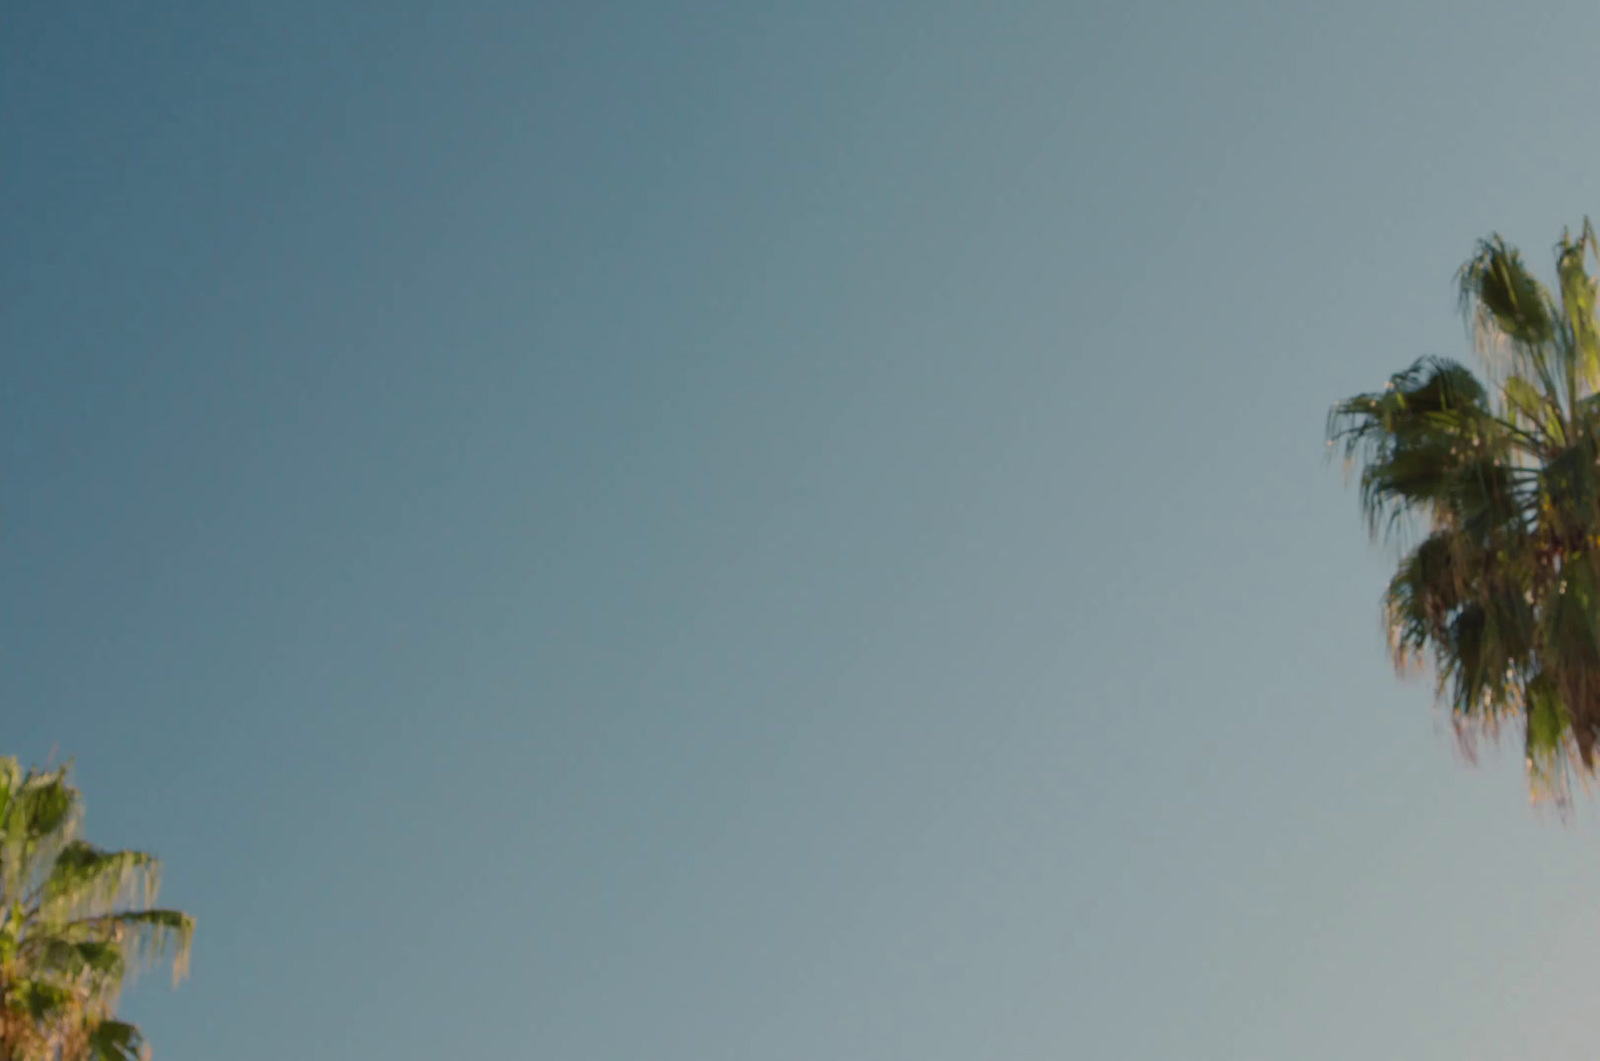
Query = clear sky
x=770 y=532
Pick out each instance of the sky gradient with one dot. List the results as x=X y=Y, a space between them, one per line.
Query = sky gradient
x=770 y=532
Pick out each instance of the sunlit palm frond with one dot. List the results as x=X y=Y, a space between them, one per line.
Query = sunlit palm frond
x=144 y=938
x=40 y=817
x=1578 y=290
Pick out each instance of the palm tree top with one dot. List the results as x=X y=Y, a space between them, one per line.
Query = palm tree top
x=1499 y=477
x=76 y=922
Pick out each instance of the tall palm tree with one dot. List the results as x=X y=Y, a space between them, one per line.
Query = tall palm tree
x=1494 y=484
x=75 y=921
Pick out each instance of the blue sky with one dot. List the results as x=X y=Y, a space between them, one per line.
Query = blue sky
x=769 y=532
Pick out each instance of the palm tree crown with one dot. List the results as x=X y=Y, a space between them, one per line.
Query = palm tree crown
x=75 y=921
x=1494 y=484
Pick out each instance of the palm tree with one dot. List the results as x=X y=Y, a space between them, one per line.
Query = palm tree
x=75 y=921
x=1494 y=484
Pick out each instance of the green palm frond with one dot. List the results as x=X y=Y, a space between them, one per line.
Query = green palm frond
x=84 y=878
x=144 y=937
x=1578 y=290
x=1501 y=298
x=1416 y=437
x=40 y=817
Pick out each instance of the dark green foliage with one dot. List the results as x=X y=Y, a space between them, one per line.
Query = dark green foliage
x=1502 y=594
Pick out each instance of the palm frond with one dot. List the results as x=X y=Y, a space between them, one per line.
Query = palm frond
x=145 y=937
x=1502 y=299
x=1414 y=436
x=40 y=817
x=84 y=879
x=1578 y=290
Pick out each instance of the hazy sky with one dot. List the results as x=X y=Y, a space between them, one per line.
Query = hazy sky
x=746 y=532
